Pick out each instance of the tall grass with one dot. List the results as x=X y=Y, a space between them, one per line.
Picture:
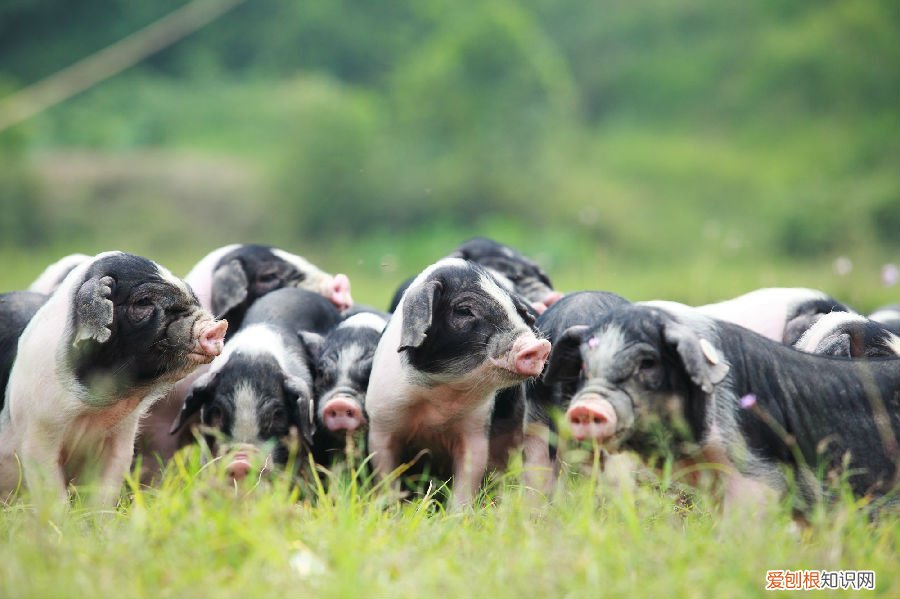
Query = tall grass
x=196 y=535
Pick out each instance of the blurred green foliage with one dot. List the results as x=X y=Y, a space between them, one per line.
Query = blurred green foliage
x=653 y=132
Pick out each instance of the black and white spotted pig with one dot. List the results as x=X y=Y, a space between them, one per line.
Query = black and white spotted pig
x=513 y=270
x=849 y=335
x=580 y=308
x=228 y=280
x=16 y=309
x=114 y=337
x=457 y=337
x=261 y=387
x=752 y=405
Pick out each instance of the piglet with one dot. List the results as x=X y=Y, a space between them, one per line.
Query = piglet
x=343 y=366
x=261 y=388
x=114 y=337
x=457 y=337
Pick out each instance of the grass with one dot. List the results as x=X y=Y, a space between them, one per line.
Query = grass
x=196 y=535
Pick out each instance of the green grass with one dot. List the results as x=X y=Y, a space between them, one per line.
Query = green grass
x=197 y=536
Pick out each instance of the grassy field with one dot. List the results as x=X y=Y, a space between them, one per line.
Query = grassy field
x=197 y=536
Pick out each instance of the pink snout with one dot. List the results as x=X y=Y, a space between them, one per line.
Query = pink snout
x=342 y=413
x=591 y=417
x=239 y=467
x=339 y=292
x=209 y=340
x=530 y=357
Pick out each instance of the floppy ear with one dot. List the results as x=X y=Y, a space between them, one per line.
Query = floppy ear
x=701 y=360
x=524 y=308
x=459 y=253
x=94 y=310
x=565 y=356
x=313 y=343
x=299 y=390
x=229 y=287
x=837 y=345
x=201 y=392
x=418 y=311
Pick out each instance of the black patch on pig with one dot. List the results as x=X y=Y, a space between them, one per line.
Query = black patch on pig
x=295 y=309
x=458 y=319
x=16 y=310
x=247 y=273
x=139 y=349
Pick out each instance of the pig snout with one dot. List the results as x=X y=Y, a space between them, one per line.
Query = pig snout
x=209 y=338
x=530 y=357
x=342 y=413
x=526 y=358
x=591 y=417
x=239 y=466
x=339 y=292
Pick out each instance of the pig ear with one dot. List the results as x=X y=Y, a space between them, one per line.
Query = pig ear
x=200 y=393
x=524 y=309
x=94 y=310
x=313 y=343
x=565 y=357
x=418 y=312
x=701 y=360
x=795 y=327
x=837 y=345
x=229 y=287
x=297 y=389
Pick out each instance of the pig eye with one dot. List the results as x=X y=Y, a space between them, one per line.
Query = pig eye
x=463 y=311
x=267 y=277
x=647 y=364
x=212 y=416
x=141 y=309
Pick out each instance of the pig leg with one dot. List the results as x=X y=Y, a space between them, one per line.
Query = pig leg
x=383 y=447
x=40 y=456
x=470 y=457
x=115 y=462
x=539 y=474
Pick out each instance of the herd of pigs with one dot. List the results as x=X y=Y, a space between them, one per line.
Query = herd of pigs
x=112 y=358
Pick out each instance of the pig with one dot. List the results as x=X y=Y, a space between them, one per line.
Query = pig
x=850 y=336
x=674 y=381
x=53 y=275
x=779 y=313
x=513 y=270
x=228 y=281
x=457 y=337
x=580 y=308
x=114 y=337
x=16 y=309
x=343 y=365
x=261 y=387
x=889 y=316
